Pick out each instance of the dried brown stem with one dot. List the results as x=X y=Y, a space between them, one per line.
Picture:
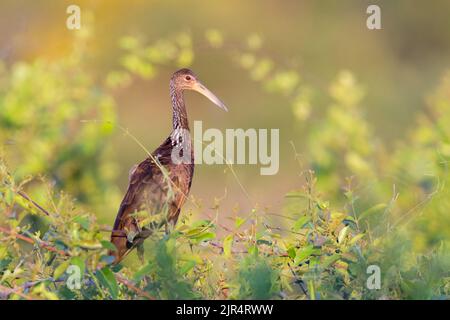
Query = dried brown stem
x=134 y=288
x=34 y=203
x=42 y=244
x=8 y=291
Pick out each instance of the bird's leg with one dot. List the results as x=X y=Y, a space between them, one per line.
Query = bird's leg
x=166 y=228
x=140 y=253
x=169 y=226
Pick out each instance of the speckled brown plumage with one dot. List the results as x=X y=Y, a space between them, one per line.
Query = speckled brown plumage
x=149 y=190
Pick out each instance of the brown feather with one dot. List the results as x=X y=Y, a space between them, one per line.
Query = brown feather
x=148 y=191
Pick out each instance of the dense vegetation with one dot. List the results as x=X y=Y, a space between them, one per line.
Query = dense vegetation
x=358 y=202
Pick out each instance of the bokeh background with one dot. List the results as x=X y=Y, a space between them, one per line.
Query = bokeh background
x=367 y=110
x=398 y=66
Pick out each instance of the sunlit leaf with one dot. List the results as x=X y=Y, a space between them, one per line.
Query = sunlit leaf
x=301 y=222
x=227 y=244
x=239 y=222
x=304 y=253
x=343 y=233
x=108 y=280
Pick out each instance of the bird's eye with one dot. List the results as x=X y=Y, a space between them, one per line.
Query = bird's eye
x=188 y=78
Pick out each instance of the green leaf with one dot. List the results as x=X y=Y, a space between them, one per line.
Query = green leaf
x=9 y=197
x=227 y=243
x=330 y=260
x=343 y=233
x=303 y=253
x=3 y=252
x=83 y=221
x=300 y=223
x=59 y=271
x=356 y=238
x=108 y=245
x=67 y=294
x=323 y=205
x=202 y=223
x=350 y=221
x=291 y=252
x=239 y=221
x=187 y=267
x=203 y=236
x=199 y=231
x=108 y=280
x=77 y=261
x=253 y=250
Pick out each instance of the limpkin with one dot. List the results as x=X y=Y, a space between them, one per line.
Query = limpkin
x=159 y=185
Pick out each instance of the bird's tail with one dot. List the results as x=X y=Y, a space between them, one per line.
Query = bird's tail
x=123 y=225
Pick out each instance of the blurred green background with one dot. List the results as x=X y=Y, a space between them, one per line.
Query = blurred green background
x=302 y=49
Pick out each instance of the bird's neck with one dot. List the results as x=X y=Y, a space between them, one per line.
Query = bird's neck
x=179 y=119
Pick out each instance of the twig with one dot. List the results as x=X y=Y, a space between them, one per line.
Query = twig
x=281 y=216
x=218 y=245
x=280 y=229
x=299 y=282
x=42 y=244
x=26 y=197
x=8 y=291
x=134 y=288
x=235 y=251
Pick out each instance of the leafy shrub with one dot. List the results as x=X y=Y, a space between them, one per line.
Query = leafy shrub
x=56 y=174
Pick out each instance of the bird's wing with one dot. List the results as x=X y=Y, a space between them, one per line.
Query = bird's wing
x=159 y=196
x=146 y=196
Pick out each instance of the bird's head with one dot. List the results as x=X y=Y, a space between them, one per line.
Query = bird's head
x=185 y=79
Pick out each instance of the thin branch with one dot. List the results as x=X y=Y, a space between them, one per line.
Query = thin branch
x=7 y=291
x=34 y=203
x=219 y=246
x=133 y=287
x=41 y=243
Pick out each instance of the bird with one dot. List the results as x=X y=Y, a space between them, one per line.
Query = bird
x=159 y=185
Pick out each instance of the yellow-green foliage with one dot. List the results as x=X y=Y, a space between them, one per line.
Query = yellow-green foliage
x=42 y=106
x=358 y=205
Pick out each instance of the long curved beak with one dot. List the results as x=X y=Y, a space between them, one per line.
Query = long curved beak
x=199 y=87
